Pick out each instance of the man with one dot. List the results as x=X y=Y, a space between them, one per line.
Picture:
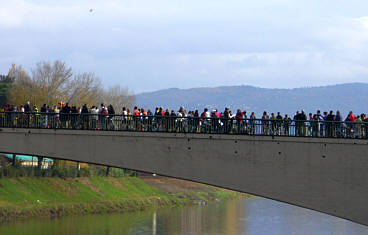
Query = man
x=205 y=115
x=365 y=125
x=296 y=120
x=36 y=122
x=226 y=121
x=85 y=117
x=320 y=125
x=350 y=119
x=278 y=123
x=102 y=111
x=287 y=122
x=273 y=124
x=265 y=123
x=239 y=120
x=302 y=119
x=94 y=116
x=27 y=107
x=330 y=125
x=44 y=112
x=253 y=123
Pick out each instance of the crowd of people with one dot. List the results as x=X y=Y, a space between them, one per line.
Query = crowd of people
x=319 y=124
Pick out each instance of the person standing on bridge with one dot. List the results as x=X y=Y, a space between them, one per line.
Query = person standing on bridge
x=278 y=123
x=239 y=121
x=265 y=123
x=74 y=117
x=149 y=120
x=350 y=119
x=303 y=119
x=273 y=124
x=102 y=116
x=124 y=118
x=136 y=118
x=66 y=113
x=84 y=117
x=27 y=107
x=358 y=127
x=94 y=117
x=172 y=121
x=365 y=126
x=330 y=127
x=245 y=122
x=204 y=121
x=287 y=122
x=36 y=116
x=338 y=124
x=44 y=115
x=296 y=120
x=253 y=123
x=181 y=120
x=111 y=117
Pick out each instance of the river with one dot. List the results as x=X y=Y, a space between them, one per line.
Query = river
x=247 y=216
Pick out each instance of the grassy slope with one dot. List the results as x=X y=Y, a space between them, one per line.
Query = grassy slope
x=24 y=197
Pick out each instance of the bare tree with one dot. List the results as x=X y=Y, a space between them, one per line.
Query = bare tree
x=119 y=97
x=85 y=88
x=52 y=81
x=22 y=86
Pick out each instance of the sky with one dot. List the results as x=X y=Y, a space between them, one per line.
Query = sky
x=149 y=45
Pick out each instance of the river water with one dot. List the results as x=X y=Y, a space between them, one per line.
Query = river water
x=247 y=216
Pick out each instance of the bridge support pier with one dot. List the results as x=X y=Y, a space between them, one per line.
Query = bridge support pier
x=39 y=162
x=107 y=170
x=78 y=169
x=14 y=159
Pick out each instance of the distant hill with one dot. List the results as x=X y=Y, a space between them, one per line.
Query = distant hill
x=343 y=97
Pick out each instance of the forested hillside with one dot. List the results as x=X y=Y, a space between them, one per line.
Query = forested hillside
x=344 y=97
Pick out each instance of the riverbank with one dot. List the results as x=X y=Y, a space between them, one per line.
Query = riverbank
x=24 y=197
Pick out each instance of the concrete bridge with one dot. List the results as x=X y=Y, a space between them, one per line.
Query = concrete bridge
x=323 y=174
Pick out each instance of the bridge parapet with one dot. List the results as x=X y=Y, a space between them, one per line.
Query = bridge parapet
x=175 y=124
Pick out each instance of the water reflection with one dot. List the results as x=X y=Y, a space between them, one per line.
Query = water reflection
x=249 y=216
x=154 y=230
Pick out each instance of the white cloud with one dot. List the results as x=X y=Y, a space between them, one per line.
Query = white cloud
x=363 y=21
x=281 y=43
x=11 y=14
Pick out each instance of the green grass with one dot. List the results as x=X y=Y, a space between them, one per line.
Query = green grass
x=21 y=190
x=46 y=196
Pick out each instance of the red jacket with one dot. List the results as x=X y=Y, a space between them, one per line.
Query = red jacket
x=352 y=117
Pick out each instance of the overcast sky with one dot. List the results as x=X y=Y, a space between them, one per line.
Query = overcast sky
x=154 y=44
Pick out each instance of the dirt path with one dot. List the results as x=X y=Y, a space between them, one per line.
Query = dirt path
x=171 y=185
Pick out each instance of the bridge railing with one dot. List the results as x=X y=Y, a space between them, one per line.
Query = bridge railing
x=212 y=125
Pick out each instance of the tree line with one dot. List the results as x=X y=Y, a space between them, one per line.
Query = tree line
x=53 y=82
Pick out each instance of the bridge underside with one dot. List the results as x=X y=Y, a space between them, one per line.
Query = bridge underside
x=327 y=175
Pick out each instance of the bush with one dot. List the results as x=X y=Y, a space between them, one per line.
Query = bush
x=116 y=172
x=84 y=172
x=62 y=171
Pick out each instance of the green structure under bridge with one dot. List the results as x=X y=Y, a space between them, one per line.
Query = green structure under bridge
x=26 y=160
